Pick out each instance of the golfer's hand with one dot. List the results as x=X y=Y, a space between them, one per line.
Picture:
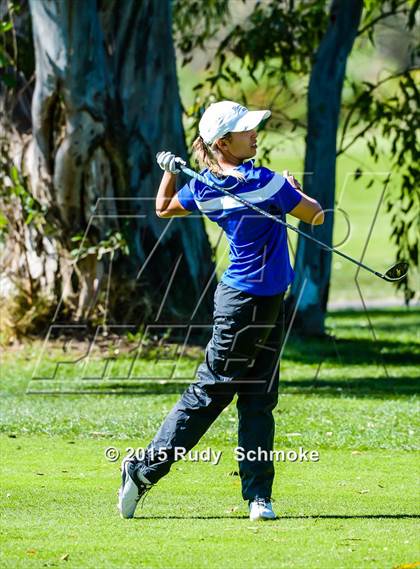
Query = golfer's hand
x=292 y=180
x=168 y=162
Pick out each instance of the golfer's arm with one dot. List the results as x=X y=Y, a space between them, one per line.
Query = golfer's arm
x=308 y=210
x=167 y=203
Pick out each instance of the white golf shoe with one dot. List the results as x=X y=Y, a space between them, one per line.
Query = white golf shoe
x=261 y=509
x=134 y=485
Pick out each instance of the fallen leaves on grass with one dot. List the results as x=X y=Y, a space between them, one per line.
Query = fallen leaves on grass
x=230 y=510
x=65 y=557
x=31 y=551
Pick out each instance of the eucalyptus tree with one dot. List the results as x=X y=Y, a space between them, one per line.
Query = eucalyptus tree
x=103 y=98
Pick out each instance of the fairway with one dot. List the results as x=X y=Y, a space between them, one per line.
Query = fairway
x=353 y=402
x=347 y=510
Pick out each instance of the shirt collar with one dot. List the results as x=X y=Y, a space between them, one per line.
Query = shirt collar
x=245 y=166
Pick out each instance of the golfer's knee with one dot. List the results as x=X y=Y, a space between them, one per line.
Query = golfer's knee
x=212 y=395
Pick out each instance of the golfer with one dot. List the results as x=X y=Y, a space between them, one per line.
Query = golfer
x=242 y=356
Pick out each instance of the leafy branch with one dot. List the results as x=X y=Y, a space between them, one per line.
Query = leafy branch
x=114 y=242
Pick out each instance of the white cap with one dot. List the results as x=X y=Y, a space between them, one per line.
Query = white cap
x=227 y=116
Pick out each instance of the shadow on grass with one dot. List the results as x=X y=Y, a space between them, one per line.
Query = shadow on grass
x=359 y=387
x=280 y=518
x=353 y=341
x=403 y=386
x=388 y=312
x=322 y=355
x=347 y=352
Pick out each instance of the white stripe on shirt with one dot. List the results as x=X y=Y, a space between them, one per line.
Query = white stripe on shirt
x=254 y=196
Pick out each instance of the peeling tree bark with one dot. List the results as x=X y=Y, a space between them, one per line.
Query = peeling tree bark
x=105 y=101
x=309 y=292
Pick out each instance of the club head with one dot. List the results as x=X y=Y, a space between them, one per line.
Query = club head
x=396 y=272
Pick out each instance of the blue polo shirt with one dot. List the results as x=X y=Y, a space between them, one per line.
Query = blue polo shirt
x=259 y=256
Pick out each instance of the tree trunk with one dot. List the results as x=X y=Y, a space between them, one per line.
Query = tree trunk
x=105 y=101
x=309 y=292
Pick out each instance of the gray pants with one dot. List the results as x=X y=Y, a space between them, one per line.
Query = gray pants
x=242 y=358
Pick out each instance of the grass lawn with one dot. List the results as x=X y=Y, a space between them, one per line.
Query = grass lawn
x=353 y=400
x=348 y=510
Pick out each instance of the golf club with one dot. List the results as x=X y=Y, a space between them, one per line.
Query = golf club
x=393 y=274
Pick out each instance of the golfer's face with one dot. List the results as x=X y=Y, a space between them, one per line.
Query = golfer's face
x=243 y=144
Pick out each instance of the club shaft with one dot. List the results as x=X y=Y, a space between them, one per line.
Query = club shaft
x=257 y=209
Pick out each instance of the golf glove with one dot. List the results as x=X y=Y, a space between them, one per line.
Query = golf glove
x=168 y=162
